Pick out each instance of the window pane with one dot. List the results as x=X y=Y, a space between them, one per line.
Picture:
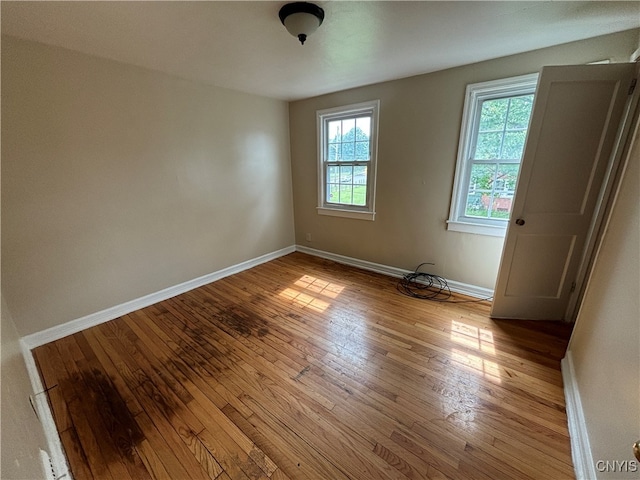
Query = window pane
x=513 y=145
x=360 y=195
x=360 y=175
x=360 y=185
x=363 y=128
x=519 y=112
x=482 y=177
x=503 y=190
x=333 y=174
x=348 y=152
x=488 y=146
x=334 y=133
x=348 y=129
x=333 y=152
x=500 y=207
x=475 y=206
x=506 y=178
x=346 y=173
x=362 y=132
x=480 y=187
x=493 y=114
x=333 y=193
x=362 y=150
x=346 y=194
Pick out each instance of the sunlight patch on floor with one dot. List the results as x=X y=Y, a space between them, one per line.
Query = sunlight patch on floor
x=312 y=284
x=479 y=339
x=307 y=289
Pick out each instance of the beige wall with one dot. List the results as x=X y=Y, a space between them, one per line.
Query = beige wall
x=22 y=436
x=419 y=129
x=605 y=344
x=118 y=182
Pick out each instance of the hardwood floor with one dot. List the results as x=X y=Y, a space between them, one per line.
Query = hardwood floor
x=302 y=368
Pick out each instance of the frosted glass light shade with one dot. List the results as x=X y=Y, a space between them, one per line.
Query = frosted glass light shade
x=301 y=19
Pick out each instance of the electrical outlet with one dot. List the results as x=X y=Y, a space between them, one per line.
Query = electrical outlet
x=308 y=237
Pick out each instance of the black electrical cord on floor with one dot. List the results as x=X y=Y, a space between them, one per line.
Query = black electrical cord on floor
x=428 y=286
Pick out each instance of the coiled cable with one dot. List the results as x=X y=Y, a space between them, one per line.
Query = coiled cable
x=428 y=286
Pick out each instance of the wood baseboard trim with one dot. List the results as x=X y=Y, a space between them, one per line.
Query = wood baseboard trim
x=580 y=448
x=74 y=326
x=457 y=287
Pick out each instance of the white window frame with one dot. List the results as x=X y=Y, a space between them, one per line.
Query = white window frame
x=366 y=212
x=475 y=94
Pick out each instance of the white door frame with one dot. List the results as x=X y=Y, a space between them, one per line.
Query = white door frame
x=612 y=178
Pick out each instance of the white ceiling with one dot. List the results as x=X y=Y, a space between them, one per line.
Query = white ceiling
x=243 y=46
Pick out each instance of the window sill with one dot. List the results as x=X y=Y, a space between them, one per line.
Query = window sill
x=477 y=228
x=338 y=212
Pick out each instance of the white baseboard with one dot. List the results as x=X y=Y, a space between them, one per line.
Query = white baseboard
x=580 y=448
x=74 y=326
x=43 y=410
x=457 y=287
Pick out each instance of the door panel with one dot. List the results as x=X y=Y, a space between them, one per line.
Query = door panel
x=573 y=128
x=542 y=279
x=572 y=146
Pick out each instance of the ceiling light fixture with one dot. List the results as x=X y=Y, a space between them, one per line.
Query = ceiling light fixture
x=301 y=19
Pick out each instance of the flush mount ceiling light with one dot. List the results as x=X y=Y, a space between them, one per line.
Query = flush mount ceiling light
x=301 y=19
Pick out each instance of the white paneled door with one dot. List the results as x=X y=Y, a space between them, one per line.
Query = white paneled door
x=573 y=132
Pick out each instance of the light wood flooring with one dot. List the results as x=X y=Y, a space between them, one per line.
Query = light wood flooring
x=302 y=368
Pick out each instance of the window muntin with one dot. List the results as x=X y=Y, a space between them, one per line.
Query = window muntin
x=347 y=155
x=494 y=128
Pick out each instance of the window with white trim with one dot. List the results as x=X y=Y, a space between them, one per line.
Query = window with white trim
x=347 y=154
x=492 y=138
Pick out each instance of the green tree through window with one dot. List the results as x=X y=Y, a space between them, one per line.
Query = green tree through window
x=492 y=142
x=502 y=130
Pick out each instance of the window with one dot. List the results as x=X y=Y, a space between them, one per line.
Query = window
x=347 y=148
x=494 y=129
